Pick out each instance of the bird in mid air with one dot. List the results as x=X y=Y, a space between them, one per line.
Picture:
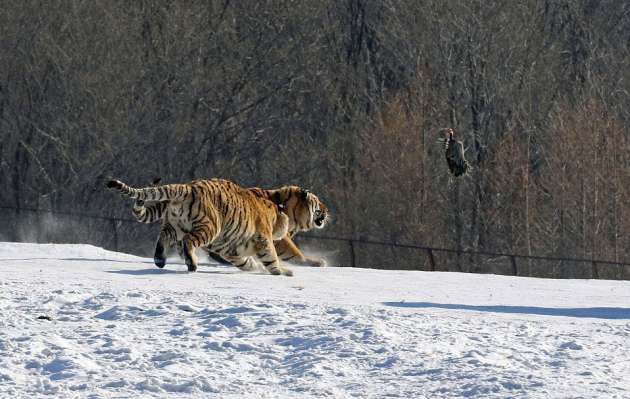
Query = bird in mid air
x=455 y=154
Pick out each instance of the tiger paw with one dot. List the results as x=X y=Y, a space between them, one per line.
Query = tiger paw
x=287 y=272
x=277 y=271
x=316 y=262
x=192 y=266
x=247 y=267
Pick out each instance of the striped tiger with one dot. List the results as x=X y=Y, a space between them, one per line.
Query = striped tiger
x=216 y=214
x=304 y=209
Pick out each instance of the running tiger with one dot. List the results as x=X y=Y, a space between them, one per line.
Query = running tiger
x=304 y=209
x=216 y=214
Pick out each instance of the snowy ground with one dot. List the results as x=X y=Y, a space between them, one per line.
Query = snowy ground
x=122 y=328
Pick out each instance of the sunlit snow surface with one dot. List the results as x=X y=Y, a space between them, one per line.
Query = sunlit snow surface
x=120 y=327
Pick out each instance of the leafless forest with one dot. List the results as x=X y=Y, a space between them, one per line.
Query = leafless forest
x=344 y=97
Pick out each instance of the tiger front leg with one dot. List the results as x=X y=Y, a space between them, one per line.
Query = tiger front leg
x=289 y=252
x=266 y=253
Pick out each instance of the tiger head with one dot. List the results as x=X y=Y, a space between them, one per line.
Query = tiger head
x=304 y=209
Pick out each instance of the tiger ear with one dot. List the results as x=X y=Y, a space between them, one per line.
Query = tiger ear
x=303 y=193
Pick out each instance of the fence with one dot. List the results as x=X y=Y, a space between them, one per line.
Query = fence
x=127 y=235
x=448 y=259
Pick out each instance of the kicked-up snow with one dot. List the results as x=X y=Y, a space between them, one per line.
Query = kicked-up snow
x=80 y=321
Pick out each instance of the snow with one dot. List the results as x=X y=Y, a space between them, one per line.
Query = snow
x=120 y=327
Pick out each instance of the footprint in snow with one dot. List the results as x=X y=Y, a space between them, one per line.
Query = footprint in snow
x=571 y=345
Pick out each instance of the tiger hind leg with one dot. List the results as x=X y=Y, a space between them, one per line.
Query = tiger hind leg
x=159 y=258
x=266 y=253
x=165 y=240
x=200 y=236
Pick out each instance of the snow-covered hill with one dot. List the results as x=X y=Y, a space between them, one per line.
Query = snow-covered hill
x=122 y=328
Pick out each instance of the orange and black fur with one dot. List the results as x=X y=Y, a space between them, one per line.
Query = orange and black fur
x=304 y=209
x=215 y=214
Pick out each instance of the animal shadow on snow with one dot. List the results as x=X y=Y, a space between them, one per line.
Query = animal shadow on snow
x=596 y=313
x=144 y=272
x=157 y=271
x=80 y=260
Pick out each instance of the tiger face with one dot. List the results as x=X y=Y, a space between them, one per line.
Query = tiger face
x=318 y=211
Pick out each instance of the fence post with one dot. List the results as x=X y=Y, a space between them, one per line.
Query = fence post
x=595 y=271
x=38 y=223
x=352 y=255
x=514 y=268
x=431 y=259
x=115 y=234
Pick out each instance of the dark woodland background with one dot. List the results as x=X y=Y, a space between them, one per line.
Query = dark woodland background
x=344 y=97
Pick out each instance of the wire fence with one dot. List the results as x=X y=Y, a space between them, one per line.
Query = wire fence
x=127 y=235
x=494 y=262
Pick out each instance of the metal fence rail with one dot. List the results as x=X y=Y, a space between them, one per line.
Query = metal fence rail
x=430 y=251
x=125 y=234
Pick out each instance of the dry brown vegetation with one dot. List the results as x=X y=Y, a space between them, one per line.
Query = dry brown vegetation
x=344 y=97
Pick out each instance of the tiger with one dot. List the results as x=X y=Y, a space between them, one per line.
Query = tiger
x=304 y=209
x=216 y=214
